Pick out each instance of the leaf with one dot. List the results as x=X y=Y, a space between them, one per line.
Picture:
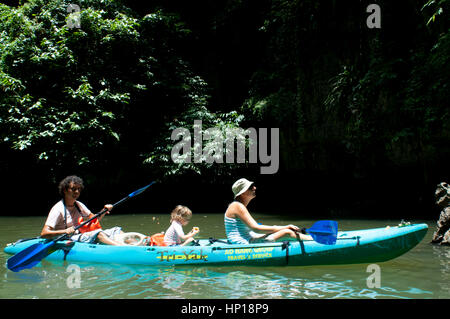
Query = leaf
x=115 y=135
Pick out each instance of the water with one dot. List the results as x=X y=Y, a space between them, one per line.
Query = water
x=422 y=273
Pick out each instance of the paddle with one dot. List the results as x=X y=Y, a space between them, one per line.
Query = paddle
x=32 y=255
x=324 y=232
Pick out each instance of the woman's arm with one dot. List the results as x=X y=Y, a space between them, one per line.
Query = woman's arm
x=108 y=208
x=242 y=212
x=49 y=232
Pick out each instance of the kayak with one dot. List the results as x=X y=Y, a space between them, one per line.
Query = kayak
x=351 y=247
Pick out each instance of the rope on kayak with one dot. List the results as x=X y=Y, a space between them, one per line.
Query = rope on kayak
x=351 y=238
x=214 y=240
x=285 y=245
x=302 y=245
x=65 y=247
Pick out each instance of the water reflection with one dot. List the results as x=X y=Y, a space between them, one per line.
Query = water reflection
x=119 y=281
x=442 y=255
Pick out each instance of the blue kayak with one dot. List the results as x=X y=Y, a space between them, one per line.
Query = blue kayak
x=351 y=247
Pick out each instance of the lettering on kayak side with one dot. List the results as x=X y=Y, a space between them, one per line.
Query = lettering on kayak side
x=167 y=255
x=248 y=253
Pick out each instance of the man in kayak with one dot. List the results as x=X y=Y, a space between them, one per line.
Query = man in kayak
x=66 y=214
x=442 y=233
x=240 y=226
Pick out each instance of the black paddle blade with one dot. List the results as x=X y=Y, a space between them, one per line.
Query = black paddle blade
x=29 y=257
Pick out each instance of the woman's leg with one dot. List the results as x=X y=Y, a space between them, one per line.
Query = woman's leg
x=103 y=238
x=289 y=233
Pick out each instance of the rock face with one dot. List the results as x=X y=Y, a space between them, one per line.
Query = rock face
x=442 y=233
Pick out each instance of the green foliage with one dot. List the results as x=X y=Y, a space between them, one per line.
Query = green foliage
x=69 y=94
x=160 y=158
x=52 y=105
x=358 y=96
x=121 y=82
x=436 y=9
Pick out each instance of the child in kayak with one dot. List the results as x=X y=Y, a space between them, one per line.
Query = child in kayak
x=174 y=235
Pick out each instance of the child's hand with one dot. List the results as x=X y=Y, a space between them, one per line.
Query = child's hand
x=195 y=230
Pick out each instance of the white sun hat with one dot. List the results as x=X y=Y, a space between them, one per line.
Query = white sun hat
x=240 y=186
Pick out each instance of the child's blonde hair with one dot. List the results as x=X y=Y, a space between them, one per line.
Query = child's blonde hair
x=180 y=213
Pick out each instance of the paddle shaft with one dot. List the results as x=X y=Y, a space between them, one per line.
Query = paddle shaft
x=105 y=210
x=89 y=220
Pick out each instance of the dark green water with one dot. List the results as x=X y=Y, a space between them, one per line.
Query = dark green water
x=423 y=272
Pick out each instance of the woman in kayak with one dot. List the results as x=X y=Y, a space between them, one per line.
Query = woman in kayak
x=66 y=214
x=240 y=226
